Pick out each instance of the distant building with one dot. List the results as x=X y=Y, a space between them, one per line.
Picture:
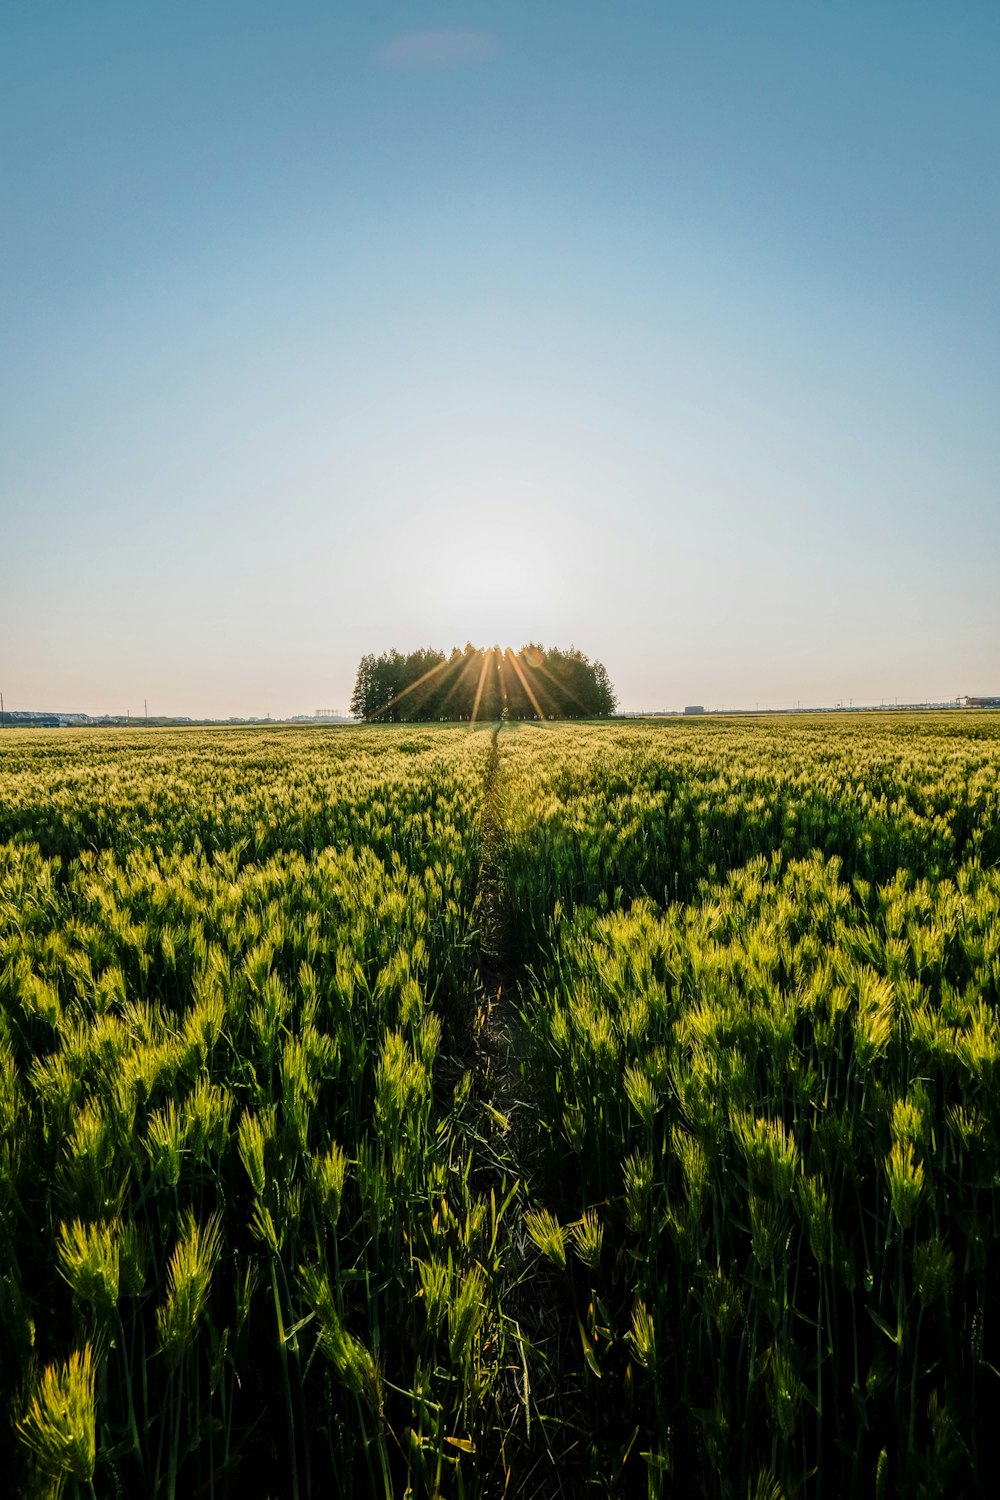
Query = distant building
x=982 y=702
x=695 y=708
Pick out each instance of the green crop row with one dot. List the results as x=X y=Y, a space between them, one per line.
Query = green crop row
x=599 y=815
x=764 y=1063
x=239 y=1241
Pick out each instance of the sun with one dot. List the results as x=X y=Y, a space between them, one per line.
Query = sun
x=491 y=585
x=495 y=572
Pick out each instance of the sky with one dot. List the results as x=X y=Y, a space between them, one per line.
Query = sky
x=667 y=330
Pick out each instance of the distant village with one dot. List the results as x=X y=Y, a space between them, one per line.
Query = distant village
x=32 y=719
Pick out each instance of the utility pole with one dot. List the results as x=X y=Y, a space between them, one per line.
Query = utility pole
x=145 y=709
x=3 y=717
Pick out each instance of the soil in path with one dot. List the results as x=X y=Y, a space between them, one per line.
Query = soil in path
x=538 y=1457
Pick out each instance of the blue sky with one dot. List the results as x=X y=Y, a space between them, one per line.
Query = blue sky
x=668 y=330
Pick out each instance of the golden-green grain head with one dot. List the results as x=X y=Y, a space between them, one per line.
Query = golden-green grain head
x=873 y=1022
x=769 y=1151
x=968 y=1125
x=373 y=1185
x=264 y=1228
x=588 y=1238
x=574 y=1129
x=328 y=1173
x=56 y=1084
x=597 y=1033
x=690 y=1153
x=641 y=1095
x=765 y=1487
x=723 y=1301
x=642 y=1336
x=766 y=1230
x=429 y=1038
x=203 y=1022
x=906 y=1183
x=11 y=1097
x=40 y=998
x=435 y=1288
x=814 y=1202
x=88 y=1169
x=784 y=1389
x=637 y=1171
x=252 y=1139
x=466 y=1311
x=110 y=993
x=401 y=1083
x=322 y=1054
x=164 y=1143
x=354 y=1365
x=189 y=1276
x=298 y=1090
x=297 y=1086
x=59 y=1425
x=411 y=1004
x=88 y=1258
x=547 y=1234
x=978 y=1047
x=907 y=1122
x=390 y=1083
x=207 y=1111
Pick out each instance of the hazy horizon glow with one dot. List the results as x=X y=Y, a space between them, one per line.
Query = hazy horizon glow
x=668 y=331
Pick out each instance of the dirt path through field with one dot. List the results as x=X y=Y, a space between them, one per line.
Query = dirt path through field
x=532 y=1398
x=497 y=1014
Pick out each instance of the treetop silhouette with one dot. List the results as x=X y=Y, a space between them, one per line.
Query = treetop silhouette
x=480 y=683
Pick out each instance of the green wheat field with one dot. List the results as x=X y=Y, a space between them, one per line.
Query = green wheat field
x=530 y=1109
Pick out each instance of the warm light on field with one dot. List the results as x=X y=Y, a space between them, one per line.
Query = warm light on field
x=270 y=999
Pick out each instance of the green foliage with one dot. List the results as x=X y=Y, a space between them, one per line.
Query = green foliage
x=482 y=685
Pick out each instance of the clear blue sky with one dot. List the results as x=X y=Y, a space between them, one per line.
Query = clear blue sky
x=671 y=330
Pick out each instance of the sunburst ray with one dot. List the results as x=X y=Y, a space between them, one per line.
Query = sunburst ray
x=525 y=683
x=426 y=676
x=487 y=657
x=560 y=687
x=467 y=660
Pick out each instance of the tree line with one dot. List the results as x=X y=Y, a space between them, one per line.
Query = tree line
x=480 y=683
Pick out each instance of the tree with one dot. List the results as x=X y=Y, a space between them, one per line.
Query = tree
x=485 y=684
x=362 y=699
